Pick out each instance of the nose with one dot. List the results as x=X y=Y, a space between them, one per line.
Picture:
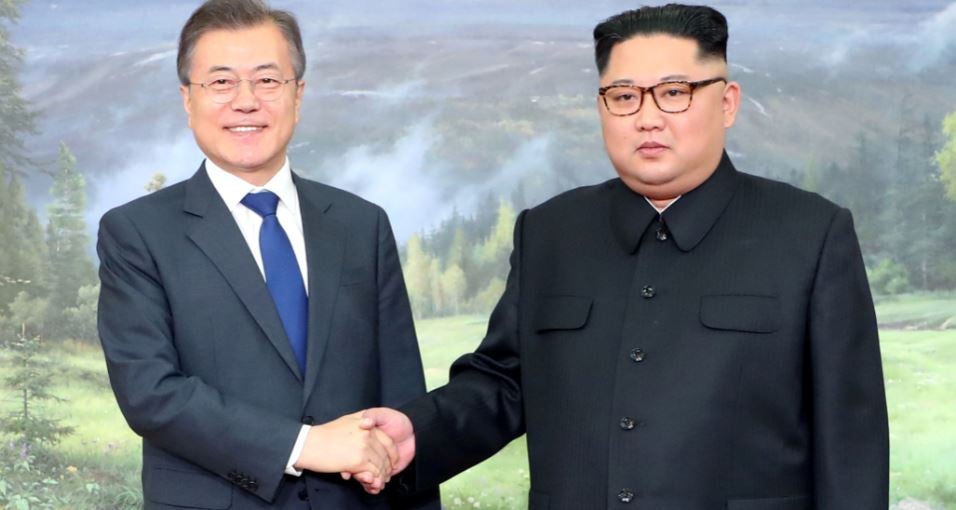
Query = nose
x=649 y=117
x=245 y=100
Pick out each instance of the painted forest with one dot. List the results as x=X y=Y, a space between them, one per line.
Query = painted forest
x=886 y=150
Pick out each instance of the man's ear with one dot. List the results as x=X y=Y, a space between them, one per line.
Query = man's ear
x=299 y=92
x=187 y=104
x=731 y=103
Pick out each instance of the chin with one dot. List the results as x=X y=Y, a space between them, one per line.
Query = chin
x=249 y=163
x=649 y=176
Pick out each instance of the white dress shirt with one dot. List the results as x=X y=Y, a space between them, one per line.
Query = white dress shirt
x=233 y=189
x=660 y=210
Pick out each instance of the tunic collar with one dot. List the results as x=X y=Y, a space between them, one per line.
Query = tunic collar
x=688 y=220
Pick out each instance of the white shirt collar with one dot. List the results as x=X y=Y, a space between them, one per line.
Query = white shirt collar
x=660 y=210
x=233 y=188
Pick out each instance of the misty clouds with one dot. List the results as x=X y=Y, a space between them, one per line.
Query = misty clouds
x=393 y=87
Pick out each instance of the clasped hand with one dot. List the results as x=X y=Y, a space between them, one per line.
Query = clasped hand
x=370 y=446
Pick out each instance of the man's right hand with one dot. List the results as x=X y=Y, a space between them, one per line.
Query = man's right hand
x=350 y=444
x=399 y=428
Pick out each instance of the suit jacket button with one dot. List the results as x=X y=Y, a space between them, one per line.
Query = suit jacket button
x=304 y=494
x=253 y=485
x=628 y=423
x=648 y=292
x=637 y=355
x=625 y=496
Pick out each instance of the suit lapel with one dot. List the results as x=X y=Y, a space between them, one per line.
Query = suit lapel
x=215 y=232
x=325 y=250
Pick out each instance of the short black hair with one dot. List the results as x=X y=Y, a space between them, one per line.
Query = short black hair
x=236 y=15
x=705 y=25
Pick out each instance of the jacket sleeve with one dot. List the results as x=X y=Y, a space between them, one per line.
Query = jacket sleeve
x=178 y=413
x=480 y=410
x=850 y=430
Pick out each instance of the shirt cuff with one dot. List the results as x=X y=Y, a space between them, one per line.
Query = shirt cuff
x=296 y=451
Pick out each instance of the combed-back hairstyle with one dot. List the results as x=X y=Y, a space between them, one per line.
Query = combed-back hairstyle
x=236 y=15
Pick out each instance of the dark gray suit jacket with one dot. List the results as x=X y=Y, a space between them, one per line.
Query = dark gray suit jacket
x=200 y=363
x=723 y=357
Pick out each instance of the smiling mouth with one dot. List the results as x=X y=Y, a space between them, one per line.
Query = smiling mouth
x=245 y=129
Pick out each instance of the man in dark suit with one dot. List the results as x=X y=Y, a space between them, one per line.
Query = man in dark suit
x=244 y=309
x=683 y=337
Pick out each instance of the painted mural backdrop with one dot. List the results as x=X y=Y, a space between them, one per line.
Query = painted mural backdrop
x=455 y=116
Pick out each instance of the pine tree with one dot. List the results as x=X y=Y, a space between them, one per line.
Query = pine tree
x=17 y=251
x=946 y=157
x=68 y=266
x=496 y=248
x=461 y=254
x=26 y=454
x=417 y=276
x=27 y=459
x=16 y=119
x=862 y=189
x=946 y=166
x=918 y=213
x=484 y=301
x=80 y=320
x=453 y=286
x=488 y=259
x=436 y=292
x=21 y=242
x=29 y=381
x=484 y=219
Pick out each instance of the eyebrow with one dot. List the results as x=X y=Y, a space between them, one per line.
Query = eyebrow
x=670 y=77
x=261 y=67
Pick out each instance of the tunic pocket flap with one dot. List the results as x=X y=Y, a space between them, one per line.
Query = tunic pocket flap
x=562 y=312
x=755 y=314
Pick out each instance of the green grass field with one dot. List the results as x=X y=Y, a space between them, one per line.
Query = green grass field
x=99 y=463
x=919 y=311
x=920 y=373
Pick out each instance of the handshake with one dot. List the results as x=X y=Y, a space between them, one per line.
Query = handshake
x=370 y=446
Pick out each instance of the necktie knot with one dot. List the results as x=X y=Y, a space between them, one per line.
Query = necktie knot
x=263 y=203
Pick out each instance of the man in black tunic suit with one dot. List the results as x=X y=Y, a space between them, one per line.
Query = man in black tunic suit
x=682 y=337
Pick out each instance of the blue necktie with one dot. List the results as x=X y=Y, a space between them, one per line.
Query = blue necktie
x=282 y=272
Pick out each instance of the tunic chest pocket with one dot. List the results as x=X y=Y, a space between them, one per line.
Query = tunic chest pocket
x=561 y=313
x=747 y=313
